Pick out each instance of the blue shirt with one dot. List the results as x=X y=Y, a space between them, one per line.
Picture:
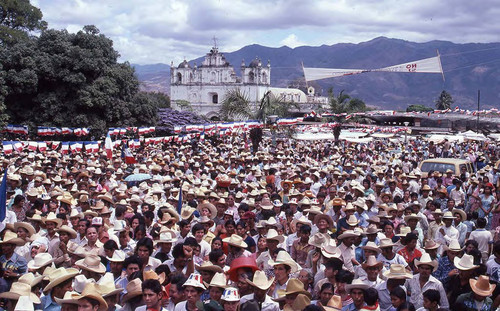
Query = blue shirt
x=16 y=263
x=48 y=304
x=445 y=266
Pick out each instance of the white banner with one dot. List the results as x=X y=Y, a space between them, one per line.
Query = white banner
x=428 y=65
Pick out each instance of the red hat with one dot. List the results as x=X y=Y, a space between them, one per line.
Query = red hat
x=489 y=185
x=241 y=262
x=248 y=215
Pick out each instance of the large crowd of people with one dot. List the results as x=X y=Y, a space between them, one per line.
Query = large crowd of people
x=298 y=225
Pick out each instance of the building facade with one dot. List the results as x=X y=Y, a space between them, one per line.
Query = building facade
x=205 y=86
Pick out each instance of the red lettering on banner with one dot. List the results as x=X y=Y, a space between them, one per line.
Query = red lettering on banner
x=411 y=67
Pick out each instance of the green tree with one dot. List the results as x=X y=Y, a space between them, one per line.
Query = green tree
x=184 y=105
x=145 y=107
x=418 y=108
x=235 y=106
x=344 y=103
x=274 y=105
x=444 y=101
x=17 y=19
x=3 y=92
x=65 y=79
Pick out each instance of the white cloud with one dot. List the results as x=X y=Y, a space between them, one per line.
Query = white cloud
x=161 y=31
x=292 y=41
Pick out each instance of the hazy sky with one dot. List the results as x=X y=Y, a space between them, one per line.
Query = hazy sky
x=154 y=31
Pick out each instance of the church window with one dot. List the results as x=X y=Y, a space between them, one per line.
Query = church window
x=215 y=98
x=264 y=77
x=179 y=77
x=251 y=77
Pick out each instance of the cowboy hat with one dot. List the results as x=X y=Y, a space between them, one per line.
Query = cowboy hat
x=51 y=217
x=218 y=280
x=352 y=221
x=273 y=235
x=166 y=237
x=385 y=243
x=330 y=250
x=397 y=271
x=426 y=260
x=19 y=289
x=371 y=261
x=300 y=302
x=230 y=294
x=106 y=197
x=90 y=291
x=371 y=246
x=260 y=280
x=464 y=263
x=24 y=303
x=186 y=212
x=461 y=212
x=28 y=227
x=454 y=246
x=448 y=215
x=283 y=258
x=68 y=298
x=106 y=286
x=357 y=284
x=294 y=286
x=30 y=279
x=134 y=289
x=235 y=240
x=40 y=260
x=11 y=238
x=348 y=234
x=411 y=216
x=208 y=266
x=327 y=218
x=72 y=233
x=210 y=207
x=118 y=256
x=371 y=229
x=317 y=240
x=482 y=286
x=151 y=275
x=431 y=244
x=59 y=275
x=91 y=263
x=334 y=304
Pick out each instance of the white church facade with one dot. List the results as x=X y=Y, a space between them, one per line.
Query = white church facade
x=205 y=86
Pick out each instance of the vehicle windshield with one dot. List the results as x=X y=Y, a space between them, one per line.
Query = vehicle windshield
x=440 y=167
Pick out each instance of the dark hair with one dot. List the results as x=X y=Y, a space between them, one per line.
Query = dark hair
x=385 y=223
x=190 y=241
x=473 y=242
x=177 y=279
x=496 y=247
x=183 y=223
x=63 y=284
x=370 y=296
x=214 y=255
x=153 y=285
x=305 y=229
x=230 y=222
x=481 y=222
x=120 y=210
x=410 y=237
x=433 y=295
x=399 y=292
x=134 y=259
x=242 y=224
x=110 y=245
x=313 y=308
x=149 y=214
x=178 y=250
x=344 y=276
x=18 y=198
x=406 y=306
x=139 y=218
x=147 y=242
x=326 y=286
x=197 y=227
x=141 y=228
x=334 y=263
x=92 y=301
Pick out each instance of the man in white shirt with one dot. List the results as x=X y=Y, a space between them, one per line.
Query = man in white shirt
x=423 y=281
x=260 y=285
x=483 y=238
x=446 y=233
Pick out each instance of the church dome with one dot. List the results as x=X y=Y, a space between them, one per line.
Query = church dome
x=184 y=64
x=255 y=63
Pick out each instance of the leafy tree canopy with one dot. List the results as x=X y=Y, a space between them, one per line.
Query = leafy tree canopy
x=418 y=108
x=17 y=19
x=444 y=101
x=344 y=103
x=66 y=79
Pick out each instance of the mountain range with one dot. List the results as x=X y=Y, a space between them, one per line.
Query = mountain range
x=467 y=68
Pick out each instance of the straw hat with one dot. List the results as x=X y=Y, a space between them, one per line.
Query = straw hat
x=482 y=286
x=411 y=216
x=372 y=246
x=72 y=233
x=397 y=271
x=461 y=212
x=334 y=304
x=11 y=238
x=348 y=234
x=328 y=219
x=372 y=262
x=209 y=266
x=283 y=258
x=273 y=235
x=151 y=275
x=24 y=303
x=403 y=231
x=74 y=213
x=90 y=291
x=357 y=284
x=426 y=260
x=454 y=246
x=19 y=289
x=299 y=303
x=230 y=294
x=186 y=212
x=464 y=263
x=134 y=289
x=330 y=250
x=317 y=240
x=352 y=221
x=194 y=280
x=235 y=240
x=91 y=263
x=30 y=279
x=40 y=260
x=106 y=197
x=210 y=207
x=28 y=227
x=431 y=244
x=106 y=285
x=80 y=282
x=448 y=215
x=260 y=280
x=371 y=229
x=68 y=298
x=118 y=256
x=166 y=237
x=218 y=280
x=293 y=286
x=385 y=243
x=51 y=217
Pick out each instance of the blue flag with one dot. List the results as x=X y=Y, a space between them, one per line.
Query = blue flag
x=179 y=204
x=3 y=197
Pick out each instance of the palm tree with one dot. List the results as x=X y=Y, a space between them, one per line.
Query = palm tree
x=444 y=101
x=235 y=106
x=274 y=105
